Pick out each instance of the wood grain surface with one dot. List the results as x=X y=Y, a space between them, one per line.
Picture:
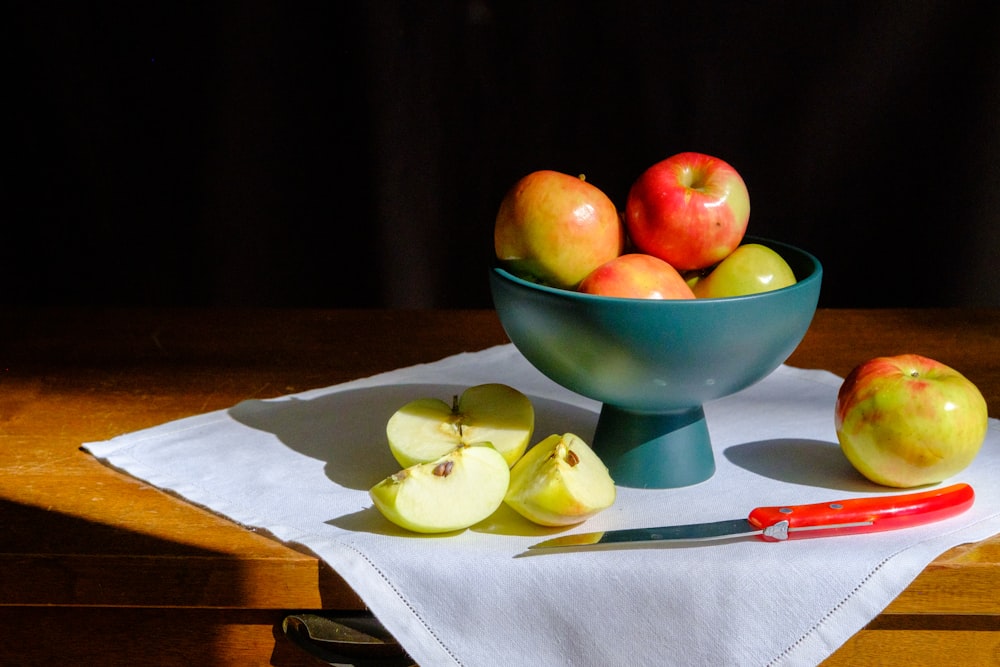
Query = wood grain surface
x=100 y=568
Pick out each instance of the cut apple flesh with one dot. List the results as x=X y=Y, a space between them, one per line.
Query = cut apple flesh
x=560 y=481
x=428 y=428
x=422 y=430
x=450 y=493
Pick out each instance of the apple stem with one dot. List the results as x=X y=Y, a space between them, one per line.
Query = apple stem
x=456 y=423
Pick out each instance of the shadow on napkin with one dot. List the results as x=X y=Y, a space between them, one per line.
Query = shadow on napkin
x=799 y=461
x=504 y=521
x=346 y=429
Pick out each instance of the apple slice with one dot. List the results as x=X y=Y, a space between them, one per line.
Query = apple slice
x=428 y=428
x=459 y=489
x=560 y=481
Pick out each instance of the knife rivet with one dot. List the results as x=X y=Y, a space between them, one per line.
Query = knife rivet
x=836 y=506
x=785 y=510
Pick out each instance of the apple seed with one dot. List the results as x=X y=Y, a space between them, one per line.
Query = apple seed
x=443 y=469
x=571 y=458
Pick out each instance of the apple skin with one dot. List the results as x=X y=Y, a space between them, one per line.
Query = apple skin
x=690 y=210
x=750 y=269
x=554 y=229
x=907 y=420
x=636 y=276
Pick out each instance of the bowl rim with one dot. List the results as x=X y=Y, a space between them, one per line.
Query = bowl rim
x=814 y=275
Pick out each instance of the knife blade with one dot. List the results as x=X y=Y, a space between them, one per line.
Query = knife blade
x=781 y=522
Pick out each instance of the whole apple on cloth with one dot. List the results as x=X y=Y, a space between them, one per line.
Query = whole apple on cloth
x=300 y=467
x=908 y=420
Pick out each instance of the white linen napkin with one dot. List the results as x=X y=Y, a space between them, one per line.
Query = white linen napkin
x=299 y=466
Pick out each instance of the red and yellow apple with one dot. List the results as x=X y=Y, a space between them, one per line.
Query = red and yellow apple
x=636 y=276
x=690 y=210
x=907 y=420
x=750 y=269
x=554 y=229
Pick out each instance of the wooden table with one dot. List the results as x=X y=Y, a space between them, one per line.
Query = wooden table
x=99 y=568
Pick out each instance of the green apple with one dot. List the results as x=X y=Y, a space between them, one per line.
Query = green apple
x=456 y=491
x=560 y=481
x=908 y=420
x=636 y=276
x=428 y=428
x=749 y=269
x=554 y=229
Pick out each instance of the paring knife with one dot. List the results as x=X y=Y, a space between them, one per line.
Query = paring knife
x=775 y=524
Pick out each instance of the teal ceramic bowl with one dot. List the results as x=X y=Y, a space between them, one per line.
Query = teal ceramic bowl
x=653 y=364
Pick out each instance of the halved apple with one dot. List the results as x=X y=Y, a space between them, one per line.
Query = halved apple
x=428 y=428
x=453 y=492
x=559 y=482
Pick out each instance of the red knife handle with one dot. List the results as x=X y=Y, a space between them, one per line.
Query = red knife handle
x=862 y=515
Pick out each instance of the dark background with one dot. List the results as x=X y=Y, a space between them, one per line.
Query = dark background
x=340 y=154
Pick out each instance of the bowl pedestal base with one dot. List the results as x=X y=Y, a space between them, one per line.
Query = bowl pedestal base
x=654 y=450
